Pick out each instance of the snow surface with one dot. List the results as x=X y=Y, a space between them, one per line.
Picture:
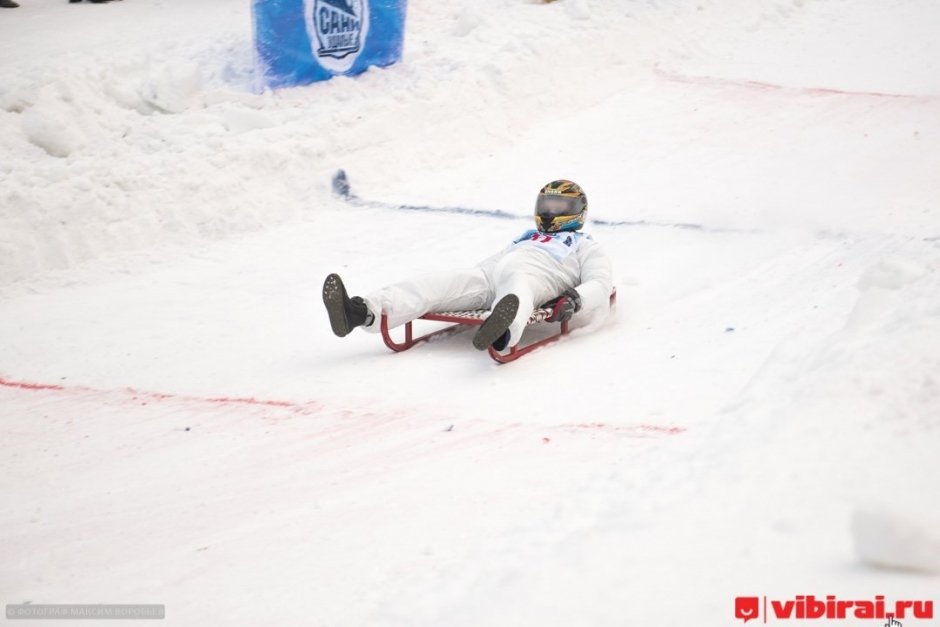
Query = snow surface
x=761 y=415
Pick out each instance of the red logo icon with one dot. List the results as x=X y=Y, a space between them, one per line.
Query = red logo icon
x=746 y=608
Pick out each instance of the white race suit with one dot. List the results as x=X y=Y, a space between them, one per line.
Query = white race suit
x=536 y=267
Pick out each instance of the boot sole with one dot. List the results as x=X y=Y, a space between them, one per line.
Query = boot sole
x=504 y=312
x=334 y=298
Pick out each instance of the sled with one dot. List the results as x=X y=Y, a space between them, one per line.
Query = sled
x=460 y=320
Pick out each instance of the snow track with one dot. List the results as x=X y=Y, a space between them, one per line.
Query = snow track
x=181 y=427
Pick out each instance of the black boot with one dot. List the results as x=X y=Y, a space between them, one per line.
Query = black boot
x=501 y=342
x=8 y=4
x=345 y=313
x=495 y=330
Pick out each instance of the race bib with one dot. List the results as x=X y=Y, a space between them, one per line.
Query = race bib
x=558 y=245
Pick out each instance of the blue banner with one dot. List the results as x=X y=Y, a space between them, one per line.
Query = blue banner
x=301 y=41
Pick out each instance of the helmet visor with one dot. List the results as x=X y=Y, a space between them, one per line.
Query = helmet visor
x=554 y=206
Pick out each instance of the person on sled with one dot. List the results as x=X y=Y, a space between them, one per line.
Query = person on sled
x=555 y=264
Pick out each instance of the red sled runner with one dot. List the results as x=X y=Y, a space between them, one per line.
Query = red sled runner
x=475 y=318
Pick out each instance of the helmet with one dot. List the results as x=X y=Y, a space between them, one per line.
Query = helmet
x=561 y=206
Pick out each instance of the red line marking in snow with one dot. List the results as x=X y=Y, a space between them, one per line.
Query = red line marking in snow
x=764 y=86
x=136 y=394
x=666 y=430
x=23 y=385
x=662 y=429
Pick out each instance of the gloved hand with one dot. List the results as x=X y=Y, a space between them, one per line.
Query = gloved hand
x=565 y=306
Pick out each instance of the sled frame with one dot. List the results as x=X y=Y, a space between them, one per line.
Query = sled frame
x=461 y=320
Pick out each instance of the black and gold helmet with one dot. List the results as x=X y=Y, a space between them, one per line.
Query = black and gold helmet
x=561 y=206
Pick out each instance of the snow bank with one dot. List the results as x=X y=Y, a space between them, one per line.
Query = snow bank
x=894 y=537
x=103 y=152
x=98 y=156
x=757 y=390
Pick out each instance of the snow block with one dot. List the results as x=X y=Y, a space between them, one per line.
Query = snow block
x=897 y=540
x=302 y=41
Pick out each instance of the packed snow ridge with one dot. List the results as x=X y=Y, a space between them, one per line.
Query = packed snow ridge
x=760 y=415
